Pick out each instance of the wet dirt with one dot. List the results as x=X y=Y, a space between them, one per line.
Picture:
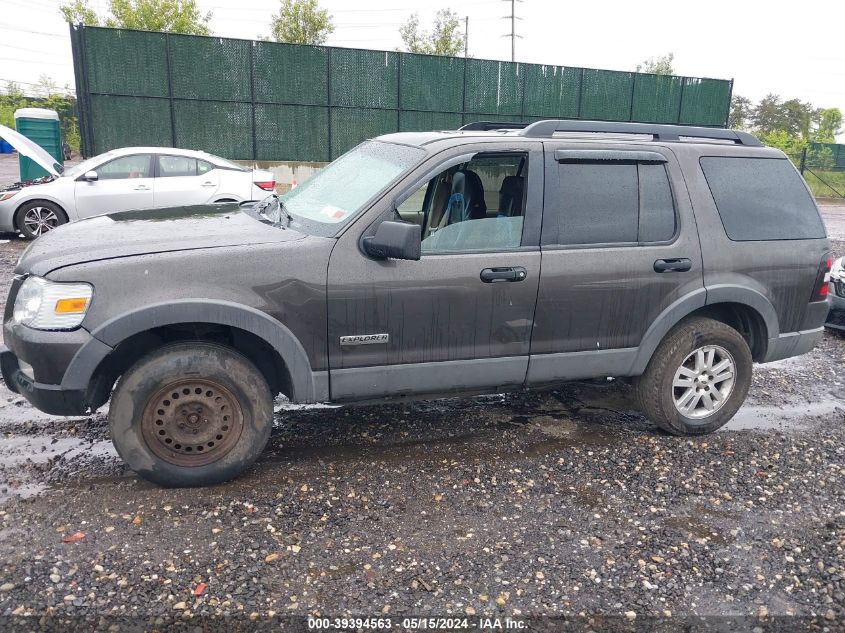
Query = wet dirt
x=559 y=501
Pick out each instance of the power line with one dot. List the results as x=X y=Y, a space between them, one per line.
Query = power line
x=32 y=61
x=20 y=30
x=332 y=12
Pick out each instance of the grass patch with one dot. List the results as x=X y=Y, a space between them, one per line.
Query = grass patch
x=825 y=184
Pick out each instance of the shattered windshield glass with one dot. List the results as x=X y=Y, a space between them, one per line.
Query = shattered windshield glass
x=336 y=193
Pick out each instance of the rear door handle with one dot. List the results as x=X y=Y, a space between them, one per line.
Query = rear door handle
x=208 y=184
x=510 y=273
x=679 y=265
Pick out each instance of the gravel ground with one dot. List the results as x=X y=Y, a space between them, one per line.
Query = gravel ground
x=561 y=503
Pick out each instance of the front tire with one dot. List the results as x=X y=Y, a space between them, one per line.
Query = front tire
x=191 y=414
x=697 y=378
x=37 y=217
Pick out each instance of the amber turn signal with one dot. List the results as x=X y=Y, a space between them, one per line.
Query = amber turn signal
x=71 y=306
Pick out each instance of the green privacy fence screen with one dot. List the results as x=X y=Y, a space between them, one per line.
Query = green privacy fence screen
x=825 y=156
x=267 y=101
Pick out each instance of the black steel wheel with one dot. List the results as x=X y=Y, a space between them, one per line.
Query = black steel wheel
x=191 y=414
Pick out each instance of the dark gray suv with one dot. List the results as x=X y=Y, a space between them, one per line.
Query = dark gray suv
x=440 y=263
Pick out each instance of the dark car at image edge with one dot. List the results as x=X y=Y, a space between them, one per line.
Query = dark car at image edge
x=428 y=264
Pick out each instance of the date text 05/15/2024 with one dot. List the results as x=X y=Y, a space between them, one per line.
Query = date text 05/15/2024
x=417 y=624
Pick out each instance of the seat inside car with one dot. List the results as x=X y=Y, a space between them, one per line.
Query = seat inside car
x=510 y=196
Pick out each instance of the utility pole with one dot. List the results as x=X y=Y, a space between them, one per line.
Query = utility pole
x=466 y=36
x=513 y=18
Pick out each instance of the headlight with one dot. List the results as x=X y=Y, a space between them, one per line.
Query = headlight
x=50 y=305
x=8 y=194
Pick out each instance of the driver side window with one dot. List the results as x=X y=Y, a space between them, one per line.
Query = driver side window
x=135 y=166
x=474 y=206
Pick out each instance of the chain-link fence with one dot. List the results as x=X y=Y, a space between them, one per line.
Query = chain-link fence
x=823 y=167
x=269 y=101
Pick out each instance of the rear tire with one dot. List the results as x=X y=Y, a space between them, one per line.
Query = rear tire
x=36 y=217
x=697 y=378
x=191 y=414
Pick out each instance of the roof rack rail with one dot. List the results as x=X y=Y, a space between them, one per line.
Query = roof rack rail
x=486 y=126
x=545 y=129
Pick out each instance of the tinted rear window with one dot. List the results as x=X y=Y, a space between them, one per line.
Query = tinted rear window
x=761 y=199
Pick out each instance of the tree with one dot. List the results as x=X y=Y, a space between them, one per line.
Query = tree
x=12 y=99
x=78 y=12
x=661 y=65
x=829 y=125
x=47 y=96
x=768 y=115
x=173 y=16
x=45 y=87
x=742 y=109
x=301 y=22
x=444 y=39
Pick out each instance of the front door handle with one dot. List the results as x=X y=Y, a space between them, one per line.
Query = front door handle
x=510 y=273
x=678 y=265
x=142 y=188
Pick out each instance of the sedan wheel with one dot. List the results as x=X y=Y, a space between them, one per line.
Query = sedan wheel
x=37 y=218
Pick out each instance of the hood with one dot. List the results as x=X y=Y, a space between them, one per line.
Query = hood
x=31 y=149
x=130 y=233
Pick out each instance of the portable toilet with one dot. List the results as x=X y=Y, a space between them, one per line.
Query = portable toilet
x=41 y=126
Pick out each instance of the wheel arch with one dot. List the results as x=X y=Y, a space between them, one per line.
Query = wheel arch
x=744 y=309
x=122 y=340
x=19 y=208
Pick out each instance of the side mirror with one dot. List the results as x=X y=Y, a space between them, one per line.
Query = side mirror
x=396 y=240
x=90 y=175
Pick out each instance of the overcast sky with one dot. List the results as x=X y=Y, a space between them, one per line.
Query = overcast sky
x=796 y=52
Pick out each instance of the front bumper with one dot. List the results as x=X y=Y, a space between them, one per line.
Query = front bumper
x=48 y=398
x=7 y=215
x=836 y=316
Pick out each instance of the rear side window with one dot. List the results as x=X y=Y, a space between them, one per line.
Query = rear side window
x=657 y=211
x=761 y=199
x=606 y=202
x=174 y=166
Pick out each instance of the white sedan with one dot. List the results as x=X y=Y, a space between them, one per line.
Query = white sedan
x=123 y=179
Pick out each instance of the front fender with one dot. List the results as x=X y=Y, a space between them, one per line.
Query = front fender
x=308 y=386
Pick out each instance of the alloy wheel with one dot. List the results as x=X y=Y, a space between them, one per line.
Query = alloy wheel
x=39 y=220
x=703 y=382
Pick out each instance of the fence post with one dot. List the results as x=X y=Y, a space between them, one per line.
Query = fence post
x=464 y=93
x=399 y=91
x=523 y=76
x=633 y=89
x=170 y=89
x=730 y=97
x=681 y=98
x=252 y=96
x=803 y=162
x=81 y=89
x=580 y=95
x=329 y=97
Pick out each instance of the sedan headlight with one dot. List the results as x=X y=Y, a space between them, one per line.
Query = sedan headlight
x=48 y=305
x=6 y=195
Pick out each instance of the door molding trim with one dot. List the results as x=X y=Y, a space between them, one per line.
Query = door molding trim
x=549 y=368
x=437 y=378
